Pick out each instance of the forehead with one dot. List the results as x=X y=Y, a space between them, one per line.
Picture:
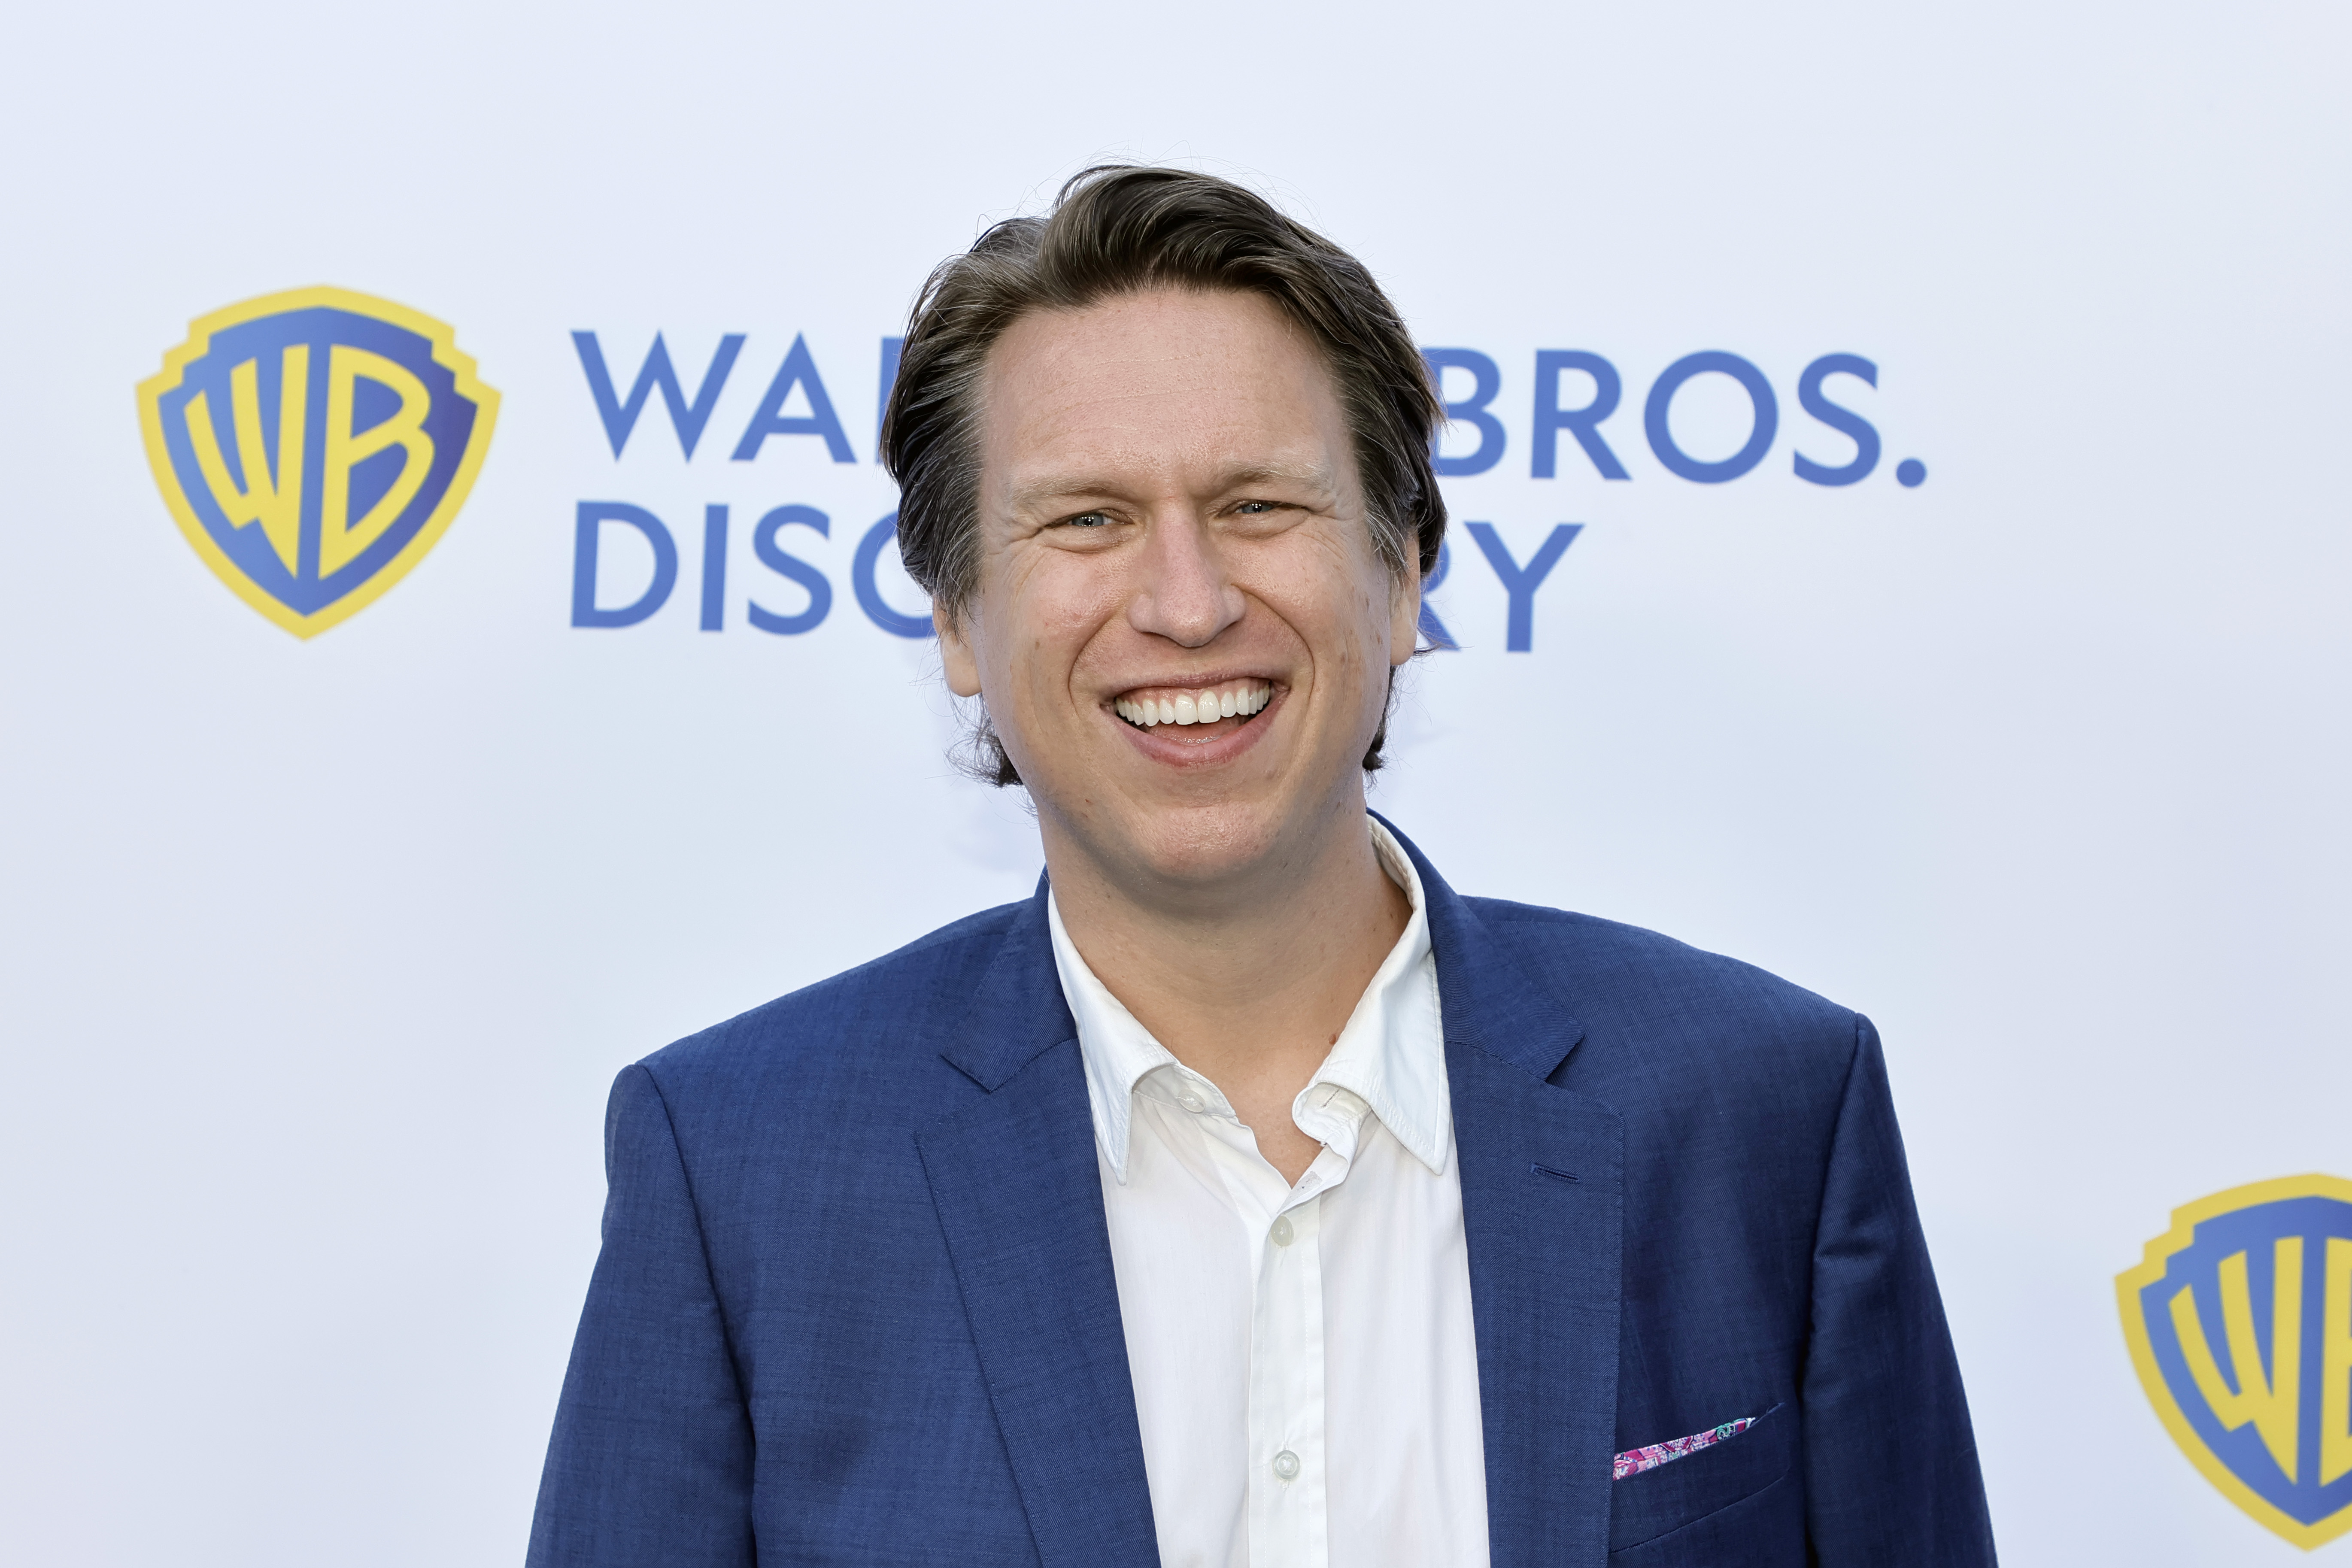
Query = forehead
x=1158 y=387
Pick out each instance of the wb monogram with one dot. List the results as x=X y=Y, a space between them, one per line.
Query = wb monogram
x=313 y=446
x=2241 y=1325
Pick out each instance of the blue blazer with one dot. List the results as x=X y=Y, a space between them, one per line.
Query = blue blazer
x=855 y=1303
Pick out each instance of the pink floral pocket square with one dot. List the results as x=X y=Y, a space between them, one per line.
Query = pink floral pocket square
x=1634 y=1461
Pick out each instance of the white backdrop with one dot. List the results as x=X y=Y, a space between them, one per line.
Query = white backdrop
x=317 y=958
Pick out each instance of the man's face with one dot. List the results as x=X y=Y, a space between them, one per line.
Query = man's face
x=1182 y=628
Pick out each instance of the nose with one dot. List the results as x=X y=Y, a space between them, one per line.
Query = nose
x=1184 y=594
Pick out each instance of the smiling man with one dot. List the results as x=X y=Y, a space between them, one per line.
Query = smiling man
x=1247 y=1196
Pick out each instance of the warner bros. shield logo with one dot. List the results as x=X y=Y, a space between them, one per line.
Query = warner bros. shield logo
x=314 y=444
x=2240 y=1324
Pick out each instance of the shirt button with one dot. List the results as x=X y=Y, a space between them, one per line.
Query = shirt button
x=1191 y=1103
x=1282 y=1232
x=1285 y=1465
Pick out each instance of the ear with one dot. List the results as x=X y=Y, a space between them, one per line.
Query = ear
x=957 y=659
x=1404 y=616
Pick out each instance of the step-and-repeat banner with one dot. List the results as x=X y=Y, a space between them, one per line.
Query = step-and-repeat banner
x=456 y=643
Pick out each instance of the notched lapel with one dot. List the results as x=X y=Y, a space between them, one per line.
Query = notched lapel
x=1543 y=1179
x=1542 y=1201
x=1017 y=1011
x=1020 y=1203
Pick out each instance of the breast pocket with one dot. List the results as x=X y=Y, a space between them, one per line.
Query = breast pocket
x=1681 y=1492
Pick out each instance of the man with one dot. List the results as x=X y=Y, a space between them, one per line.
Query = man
x=1247 y=1196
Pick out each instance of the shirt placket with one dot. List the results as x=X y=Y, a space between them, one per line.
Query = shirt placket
x=1289 y=1517
x=1286 y=1487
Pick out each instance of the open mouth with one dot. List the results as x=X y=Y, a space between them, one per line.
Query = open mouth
x=1228 y=706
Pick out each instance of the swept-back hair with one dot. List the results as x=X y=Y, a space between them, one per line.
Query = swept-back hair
x=1120 y=229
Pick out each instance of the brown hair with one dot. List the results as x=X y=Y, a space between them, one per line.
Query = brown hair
x=1118 y=229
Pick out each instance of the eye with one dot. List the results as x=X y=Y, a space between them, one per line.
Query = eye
x=1088 y=520
x=1272 y=509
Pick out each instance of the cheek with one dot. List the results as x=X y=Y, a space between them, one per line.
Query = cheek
x=1337 y=597
x=1056 y=604
x=1367 y=609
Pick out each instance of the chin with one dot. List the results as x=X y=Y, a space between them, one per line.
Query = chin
x=1203 y=830
x=1206 y=844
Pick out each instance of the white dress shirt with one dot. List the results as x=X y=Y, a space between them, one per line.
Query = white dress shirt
x=1305 y=1368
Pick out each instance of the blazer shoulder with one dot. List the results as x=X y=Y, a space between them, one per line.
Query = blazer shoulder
x=1652 y=993
x=875 y=1017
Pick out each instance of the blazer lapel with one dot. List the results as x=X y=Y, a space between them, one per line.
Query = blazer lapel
x=1542 y=1203
x=1014 y=1180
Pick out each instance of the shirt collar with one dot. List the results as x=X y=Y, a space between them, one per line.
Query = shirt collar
x=1390 y=1059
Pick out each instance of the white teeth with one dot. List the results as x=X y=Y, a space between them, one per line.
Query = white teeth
x=1194 y=707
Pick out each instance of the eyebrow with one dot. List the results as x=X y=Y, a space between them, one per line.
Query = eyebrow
x=1044 y=491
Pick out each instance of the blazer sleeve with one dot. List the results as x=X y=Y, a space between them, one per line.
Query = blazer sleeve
x=1891 y=1471
x=650 y=1466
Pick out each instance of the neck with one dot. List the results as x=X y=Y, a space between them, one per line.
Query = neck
x=1247 y=982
